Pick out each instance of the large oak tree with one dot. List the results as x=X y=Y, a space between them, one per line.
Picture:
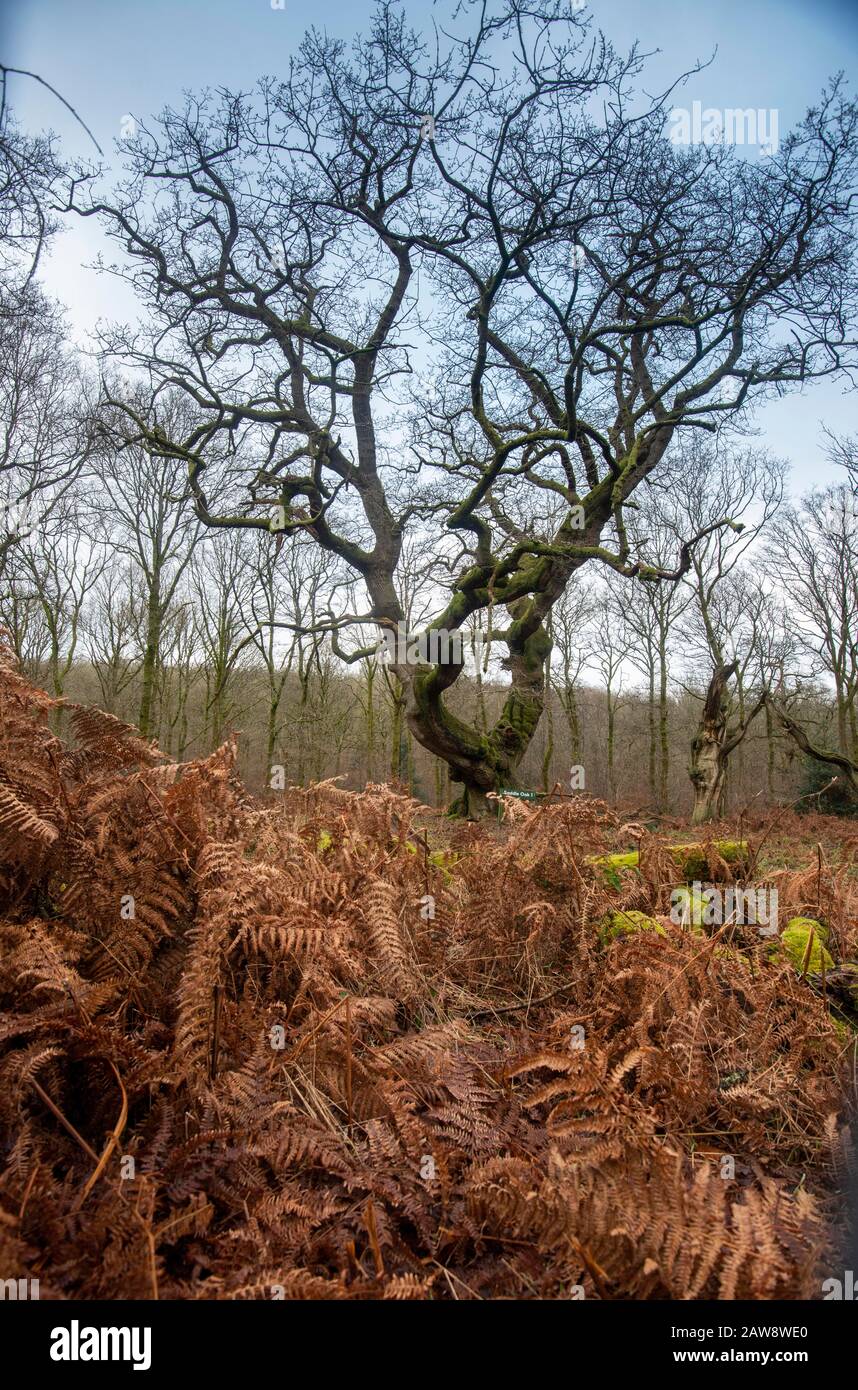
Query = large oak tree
x=465 y=286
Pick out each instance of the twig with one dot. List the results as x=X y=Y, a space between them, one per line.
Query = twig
x=66 y=1124
x=349 y=1060
x=111 y=1143
x=369 y=1217
x=218 y=994
x=21 y=72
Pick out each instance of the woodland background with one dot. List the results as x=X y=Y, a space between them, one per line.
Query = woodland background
x=118 y=597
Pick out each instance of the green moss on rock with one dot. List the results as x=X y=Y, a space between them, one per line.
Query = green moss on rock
x=692 y=861
x=806 y=923
x=613 y=866
x=803 y=940
x=621 y=861
x=616 y=924
x=690 y=905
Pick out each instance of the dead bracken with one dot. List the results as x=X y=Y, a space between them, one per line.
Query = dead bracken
x=238 y=1059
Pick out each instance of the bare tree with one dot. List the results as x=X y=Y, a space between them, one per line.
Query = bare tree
x=746 y=485
x=610 y=642
x=111 y=624
x=814 y=551
x=843 y=451
x=221 y=577
x=29 y=170
x=45 y=426
x=144 y=499
x=44 y=423
x=268 y=603
x=62 y=560
x=650 y=613
x=569 y=621
x=600 y=292
x=770 y=642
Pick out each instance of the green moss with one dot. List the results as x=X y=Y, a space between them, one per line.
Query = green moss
x=689 y=904
x=616 y=924
x=802 y=939
x=732 y=954
x=693 y=863
x=518 y=721
x=691 y=860
x=444 y=858
x=613 y=866
x=324 y=841
x=620 y=861
x=807 y=923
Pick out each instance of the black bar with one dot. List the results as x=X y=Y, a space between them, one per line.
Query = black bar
x=253 y=1339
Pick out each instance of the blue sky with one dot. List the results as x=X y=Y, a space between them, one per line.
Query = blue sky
x=110 y=58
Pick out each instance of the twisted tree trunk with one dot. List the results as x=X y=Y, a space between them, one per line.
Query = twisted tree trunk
x=713 y=743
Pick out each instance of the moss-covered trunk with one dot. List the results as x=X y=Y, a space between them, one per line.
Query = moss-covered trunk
x=709 y=748
x=482 y=762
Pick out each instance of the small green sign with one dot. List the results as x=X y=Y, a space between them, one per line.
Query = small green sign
x=520 y=796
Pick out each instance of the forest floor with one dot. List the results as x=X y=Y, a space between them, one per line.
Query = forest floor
x=300 y=1049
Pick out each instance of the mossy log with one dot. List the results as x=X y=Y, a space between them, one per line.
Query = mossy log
x=692 y=861
x=690 y=905
x=616 y=924
x=803 y=939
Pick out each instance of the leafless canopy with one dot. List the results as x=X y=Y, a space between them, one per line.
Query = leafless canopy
x=466 y=285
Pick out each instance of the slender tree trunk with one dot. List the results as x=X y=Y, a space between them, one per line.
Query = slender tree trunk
x=398 y=738
x=183 y=724
x=370 y=722
x=651 y=720
x=770 y=754
x=663 y=733
x=842 y=735
x=409 y=759
x=573 y=720
x=151 y=654
x=55 y=722
x=612 y=713
x=304 y=678
x=739 y=779
x=271 y=740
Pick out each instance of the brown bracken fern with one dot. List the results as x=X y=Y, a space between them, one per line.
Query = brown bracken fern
x=285 y=1051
